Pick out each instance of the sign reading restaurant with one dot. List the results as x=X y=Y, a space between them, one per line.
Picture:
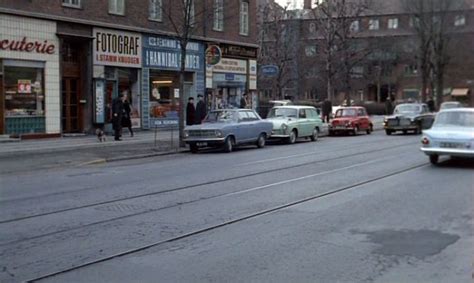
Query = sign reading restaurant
x=117 y=48
x=165 y=53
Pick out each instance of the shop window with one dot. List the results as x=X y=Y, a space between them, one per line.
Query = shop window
x=164 y=94
x=24 y=91
x=72 y=3
x=117 y=7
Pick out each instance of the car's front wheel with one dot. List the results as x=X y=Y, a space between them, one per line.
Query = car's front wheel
x=261 y=141
x=356 y=130
x=370 y=129
x=292 y=138
x=434 y=159
x=388 y=132
x=194 y=148
x=229 y=144
x=315 y=135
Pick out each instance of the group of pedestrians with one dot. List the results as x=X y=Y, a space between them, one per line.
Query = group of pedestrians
x=195 y=114
x=121 y=118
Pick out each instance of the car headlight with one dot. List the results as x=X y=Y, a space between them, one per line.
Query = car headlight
x=218 y=133
x=284 y=127
x=186 y=134
x=348 y=124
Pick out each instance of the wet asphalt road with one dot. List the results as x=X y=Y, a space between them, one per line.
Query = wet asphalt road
x=342 y=209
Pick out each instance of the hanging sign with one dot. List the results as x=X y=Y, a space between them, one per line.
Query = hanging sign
x=213 y=55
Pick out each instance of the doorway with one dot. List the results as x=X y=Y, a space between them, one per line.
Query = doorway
x=71 y=120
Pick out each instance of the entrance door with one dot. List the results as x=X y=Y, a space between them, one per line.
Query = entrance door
x=71 y=121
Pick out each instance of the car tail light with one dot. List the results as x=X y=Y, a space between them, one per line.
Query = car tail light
x=425 y=141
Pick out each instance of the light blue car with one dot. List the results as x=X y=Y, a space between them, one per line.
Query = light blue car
x=228 y=128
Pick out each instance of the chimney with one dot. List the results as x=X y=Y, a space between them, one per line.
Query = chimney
x=307 y=4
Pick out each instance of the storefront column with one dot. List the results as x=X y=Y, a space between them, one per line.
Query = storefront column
x=146 y=98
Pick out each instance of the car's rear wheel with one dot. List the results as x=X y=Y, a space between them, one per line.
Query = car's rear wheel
x=405 y=132
x=261 y=141
x=315 y=135
x=292 y=138
x=194 y=148
x=434 y=159
x=370 y=129
x=229 y=144
x=388 y=132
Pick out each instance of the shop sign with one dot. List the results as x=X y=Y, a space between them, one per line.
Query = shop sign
x=24 y=86
x=165 y=53
x=252 y=74
x=99 y=102
x=26 y=45
x=117 y=48
x=213 y=55
x=231 y=66
x=238 y=51
x=269 y=70
x=230 y=78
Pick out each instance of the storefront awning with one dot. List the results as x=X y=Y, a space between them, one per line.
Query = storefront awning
x=459 y=92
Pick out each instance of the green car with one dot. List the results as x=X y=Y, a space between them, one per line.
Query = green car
x=292 y=122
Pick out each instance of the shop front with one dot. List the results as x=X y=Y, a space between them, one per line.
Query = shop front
x=234 y=75
x=117 y=62
x=29 y=77
x=160 y=79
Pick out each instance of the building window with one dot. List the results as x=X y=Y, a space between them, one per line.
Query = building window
x=219 y=15
x=312 y=28
x=117 y=7
x=72 y=3
x=244 y=18
x=189 y=6
x=357 y=72
x=373 y=24
x=155 y=10
x=411 y=70
x=393 y=23
x=414 y=22
x=310 y=51
x=354 y=26
x=459 y=20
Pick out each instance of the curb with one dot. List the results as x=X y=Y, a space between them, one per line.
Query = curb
x=131 y=157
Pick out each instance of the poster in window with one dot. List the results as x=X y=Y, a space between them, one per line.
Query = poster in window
x=24 y=86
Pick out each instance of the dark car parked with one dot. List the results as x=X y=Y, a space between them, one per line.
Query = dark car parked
x=409 y=117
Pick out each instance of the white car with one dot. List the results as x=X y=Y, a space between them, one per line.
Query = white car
x=452 y=134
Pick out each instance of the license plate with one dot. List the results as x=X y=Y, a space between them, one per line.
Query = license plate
x=451 y=145
x=201 y=144
x=339 y=127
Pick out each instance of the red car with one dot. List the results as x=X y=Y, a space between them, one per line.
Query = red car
x=350 y=120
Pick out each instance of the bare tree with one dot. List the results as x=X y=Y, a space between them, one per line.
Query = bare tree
x=277 y=45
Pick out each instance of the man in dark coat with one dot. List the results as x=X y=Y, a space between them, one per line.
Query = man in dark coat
x=117 y=112
x=388 y=106
x=201 y=110
x=243 y=101
x=190 y=112
x=431 y=104
x=327 y=110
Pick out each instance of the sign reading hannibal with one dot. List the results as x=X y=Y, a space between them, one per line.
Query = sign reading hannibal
x=117 y=48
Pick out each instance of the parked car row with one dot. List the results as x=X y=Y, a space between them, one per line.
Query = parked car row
x=228 y=128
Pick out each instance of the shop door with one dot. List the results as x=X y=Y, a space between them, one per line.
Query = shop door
x=71 y=121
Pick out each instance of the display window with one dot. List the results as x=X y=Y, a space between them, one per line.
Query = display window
x=24 y=91
x=164 y=93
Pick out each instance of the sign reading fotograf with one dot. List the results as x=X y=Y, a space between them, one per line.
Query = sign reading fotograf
x=165 y=53
x=117 y=48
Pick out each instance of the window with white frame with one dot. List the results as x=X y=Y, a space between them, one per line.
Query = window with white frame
x=244 y=17
x=218 y=15
x=117 y=7
x=310 y=51
x=459 y=20
x=155 y=11
x=72 y=3
x=355 y=26
x=374 y=24
x=393 y=23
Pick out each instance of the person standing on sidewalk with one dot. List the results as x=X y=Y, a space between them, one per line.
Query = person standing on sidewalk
x=126 y=119
x=117 y=113
x=327 y=110
x=201 y=110
x=190 y=112
x=243 y=101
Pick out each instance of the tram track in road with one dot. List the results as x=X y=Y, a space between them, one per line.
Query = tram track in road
x=187 y=187
x=231 y=222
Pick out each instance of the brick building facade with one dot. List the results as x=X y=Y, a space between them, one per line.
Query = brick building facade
x=390 y=67
x=103 y=48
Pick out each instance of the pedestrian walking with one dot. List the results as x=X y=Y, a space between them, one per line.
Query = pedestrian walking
x=243 y=101
x=190 y=112
x=117 y=113
x=201 y=110
x=327 y=110
x=126 y=119
x=388 y=106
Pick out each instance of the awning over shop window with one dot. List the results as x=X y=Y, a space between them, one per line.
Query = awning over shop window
x=459 y=92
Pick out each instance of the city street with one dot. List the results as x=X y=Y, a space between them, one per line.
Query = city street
x=369 y=208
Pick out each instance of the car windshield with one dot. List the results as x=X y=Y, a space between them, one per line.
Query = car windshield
x=462 y=119
x=407 y=109
x=346 y=112
x=449 y=105
x=282 y=112
x=220 y=116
